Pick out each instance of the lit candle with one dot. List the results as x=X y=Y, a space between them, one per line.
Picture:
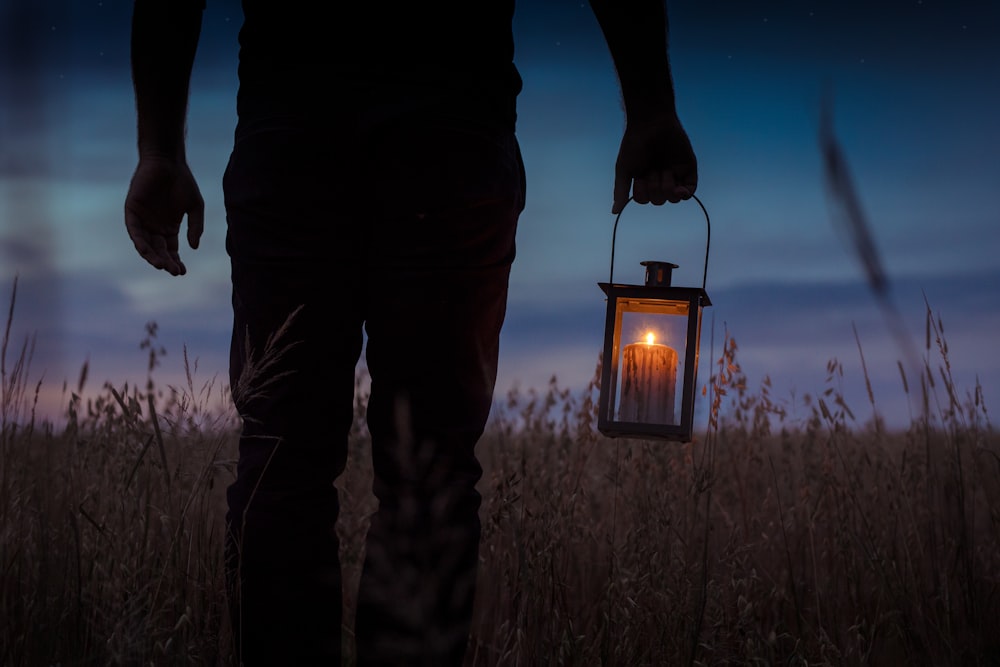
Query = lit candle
x=649 y=379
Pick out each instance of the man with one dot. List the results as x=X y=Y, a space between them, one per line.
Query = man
x=374 y=184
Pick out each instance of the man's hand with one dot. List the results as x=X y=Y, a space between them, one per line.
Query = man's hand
x=655 y=162
x=161 y=193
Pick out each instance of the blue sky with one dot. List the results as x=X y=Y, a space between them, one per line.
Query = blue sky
x=916 y=91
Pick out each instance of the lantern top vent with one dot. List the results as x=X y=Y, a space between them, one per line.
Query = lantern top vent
x=658 y=274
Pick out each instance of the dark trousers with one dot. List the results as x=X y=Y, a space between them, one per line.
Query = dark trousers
x=405 y=229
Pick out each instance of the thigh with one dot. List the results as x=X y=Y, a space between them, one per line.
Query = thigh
x=438 y=297
x=296 y=328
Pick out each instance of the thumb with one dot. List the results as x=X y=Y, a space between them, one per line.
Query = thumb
x=623 y=184
x=196 y=224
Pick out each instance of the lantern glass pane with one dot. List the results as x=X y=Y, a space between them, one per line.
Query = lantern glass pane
x=652 y=349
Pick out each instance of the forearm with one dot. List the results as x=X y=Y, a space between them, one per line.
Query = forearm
x=163 y=45
x=636 y=33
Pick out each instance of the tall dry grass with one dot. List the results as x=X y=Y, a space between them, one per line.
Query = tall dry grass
x=109 y=538
x=816 y=540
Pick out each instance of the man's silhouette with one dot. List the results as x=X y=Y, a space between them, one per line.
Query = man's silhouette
x=375 y=184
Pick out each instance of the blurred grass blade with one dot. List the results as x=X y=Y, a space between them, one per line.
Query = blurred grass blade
x=850 y=218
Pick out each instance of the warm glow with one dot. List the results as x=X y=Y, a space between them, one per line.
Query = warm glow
x=650 y=338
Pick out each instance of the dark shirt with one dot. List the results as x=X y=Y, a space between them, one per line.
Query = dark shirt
x=379 y=58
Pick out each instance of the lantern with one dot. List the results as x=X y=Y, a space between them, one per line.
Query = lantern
x=650 y=363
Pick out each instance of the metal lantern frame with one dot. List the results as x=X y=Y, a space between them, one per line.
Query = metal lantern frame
x=656 y=296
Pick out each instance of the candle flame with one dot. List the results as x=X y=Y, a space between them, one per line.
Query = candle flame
x=650 y=338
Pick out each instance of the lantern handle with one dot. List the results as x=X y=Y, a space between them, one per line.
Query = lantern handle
x=708 y=240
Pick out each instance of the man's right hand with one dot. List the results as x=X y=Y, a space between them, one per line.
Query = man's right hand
x=161 y=193
x=655 y=162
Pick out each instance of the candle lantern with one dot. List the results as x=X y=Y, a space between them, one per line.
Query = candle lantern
x=650 y=363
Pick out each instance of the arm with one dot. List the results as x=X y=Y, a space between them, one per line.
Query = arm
x=655 y=161
x=163 y=190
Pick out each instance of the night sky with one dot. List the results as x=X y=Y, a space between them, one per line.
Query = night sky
x=915 y=90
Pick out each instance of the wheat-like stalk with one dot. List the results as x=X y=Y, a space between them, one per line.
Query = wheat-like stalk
x=771 y=539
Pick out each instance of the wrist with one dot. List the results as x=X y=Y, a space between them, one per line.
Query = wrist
x=162 y=152
x=156 y=162
x=643 y=100
x=650 y=110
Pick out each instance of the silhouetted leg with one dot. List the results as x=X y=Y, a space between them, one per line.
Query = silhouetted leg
x=436 y=309
x=295 y=394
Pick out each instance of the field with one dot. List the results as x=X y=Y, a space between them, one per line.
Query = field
x=819 y=540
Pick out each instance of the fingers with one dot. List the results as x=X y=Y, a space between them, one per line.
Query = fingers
x=660 y=187
x=159 y=249
x=647 y=191
x=167 y=256
x=656 y=187
x=156 y=252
